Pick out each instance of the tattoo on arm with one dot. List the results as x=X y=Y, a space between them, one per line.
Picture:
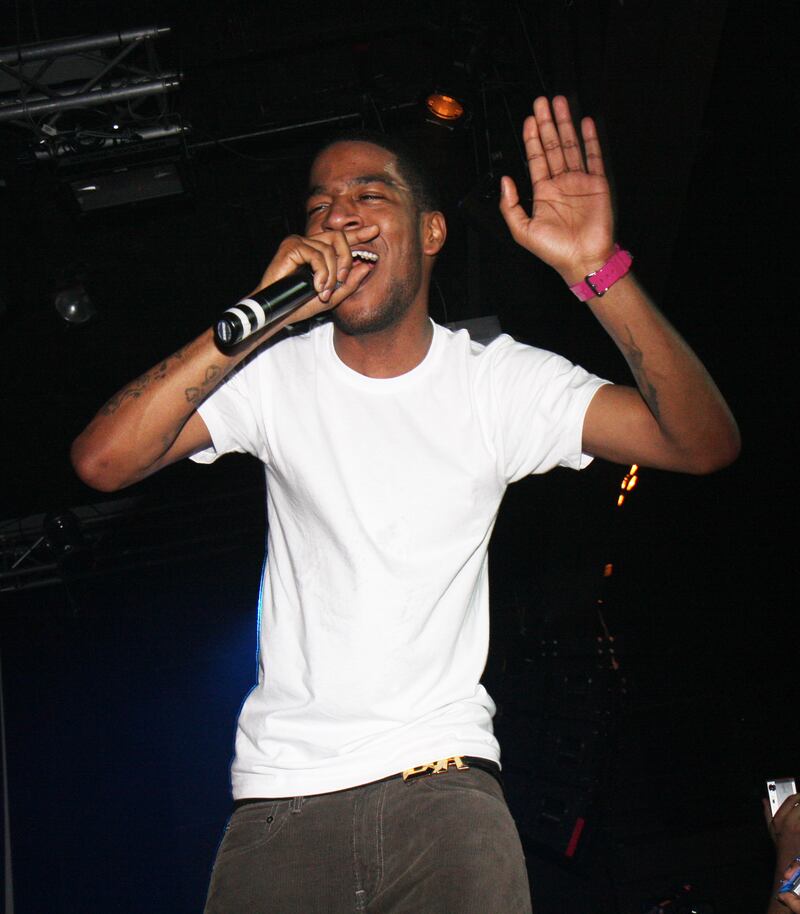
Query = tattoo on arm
x=132 y=392
x=136 y=388
x=195 y=394
x=635 y=359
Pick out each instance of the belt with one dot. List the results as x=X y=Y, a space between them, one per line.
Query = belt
x=459 y=762
x=440 y=766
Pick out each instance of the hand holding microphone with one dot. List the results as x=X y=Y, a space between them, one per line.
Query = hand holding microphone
x=325 y=268
x=268 y=304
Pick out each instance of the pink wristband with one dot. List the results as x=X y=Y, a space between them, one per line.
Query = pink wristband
x=599 y=282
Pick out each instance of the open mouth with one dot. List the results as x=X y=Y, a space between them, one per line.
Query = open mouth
x=368 y=257
x=365 y=256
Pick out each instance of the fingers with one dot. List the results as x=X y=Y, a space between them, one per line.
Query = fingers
x=337 y=263
x=786 y=893
x=538 y=164
x=339 y=244
x=591 y=143
x=789 y=808
x=323 y=260
x=552 y=146
x=791 y=871
x=511 y=209
x=328 y=254
x=573 y=159
x=353 y=280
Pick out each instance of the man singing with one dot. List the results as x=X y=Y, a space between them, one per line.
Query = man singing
x=365 y=774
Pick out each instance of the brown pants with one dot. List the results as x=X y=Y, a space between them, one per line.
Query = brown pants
x=441 y=844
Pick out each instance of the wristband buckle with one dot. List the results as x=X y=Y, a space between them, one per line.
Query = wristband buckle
x=599 y=282
x=588 y=280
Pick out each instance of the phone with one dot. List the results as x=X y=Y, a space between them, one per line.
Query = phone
x=778 y=790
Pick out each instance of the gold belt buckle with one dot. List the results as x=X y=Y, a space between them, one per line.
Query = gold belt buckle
x=435 y=767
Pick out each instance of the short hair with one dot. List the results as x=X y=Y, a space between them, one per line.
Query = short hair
x=410 y=165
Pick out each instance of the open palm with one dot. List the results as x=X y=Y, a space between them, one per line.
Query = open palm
x=571 y=226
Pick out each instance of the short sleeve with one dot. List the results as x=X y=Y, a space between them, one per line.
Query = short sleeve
x=540 y=400
x=231 y=419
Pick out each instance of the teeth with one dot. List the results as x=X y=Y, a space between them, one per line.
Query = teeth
x=365 y=255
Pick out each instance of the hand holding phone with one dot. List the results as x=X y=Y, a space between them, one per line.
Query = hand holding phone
x=792 y=884
x=778 y=790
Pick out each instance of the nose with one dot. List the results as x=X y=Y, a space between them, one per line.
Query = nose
x=342 y=214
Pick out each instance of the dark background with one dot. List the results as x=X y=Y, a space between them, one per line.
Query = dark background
x=651 y=704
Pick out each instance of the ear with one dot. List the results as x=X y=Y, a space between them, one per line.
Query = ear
x=434 y=232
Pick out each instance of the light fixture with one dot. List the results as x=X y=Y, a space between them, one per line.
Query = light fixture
x=71 y=300
x=444 y=107
x=132 y=184
x=74 y=305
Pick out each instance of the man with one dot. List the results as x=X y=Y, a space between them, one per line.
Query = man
x=388 y=443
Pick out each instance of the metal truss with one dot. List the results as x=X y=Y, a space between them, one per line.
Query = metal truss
x=80 y=94
x=122 y=535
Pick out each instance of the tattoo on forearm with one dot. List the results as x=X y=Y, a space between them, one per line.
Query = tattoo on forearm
x=160 y=370
x=136 y=388
x=635 y=359
x=195 y=394
x=132 y=392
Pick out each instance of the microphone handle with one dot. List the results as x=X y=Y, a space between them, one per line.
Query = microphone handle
x=261 y=308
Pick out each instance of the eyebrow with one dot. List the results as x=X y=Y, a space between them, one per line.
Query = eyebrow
x=379 y=178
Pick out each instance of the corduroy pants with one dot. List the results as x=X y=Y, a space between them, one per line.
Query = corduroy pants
x=439 y=844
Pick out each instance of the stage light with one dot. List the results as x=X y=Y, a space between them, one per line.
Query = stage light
x=628 y=483
x=444 y=107
x=131 y=184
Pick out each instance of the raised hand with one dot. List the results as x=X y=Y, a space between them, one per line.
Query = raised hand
x=571 y=227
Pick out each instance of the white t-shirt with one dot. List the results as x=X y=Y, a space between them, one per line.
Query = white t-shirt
x=382 y=495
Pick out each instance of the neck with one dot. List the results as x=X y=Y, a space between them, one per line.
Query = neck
x=388 y=353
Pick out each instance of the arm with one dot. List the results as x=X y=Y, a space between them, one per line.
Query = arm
x=784 y=829
x=676 y=419
x=154 y=422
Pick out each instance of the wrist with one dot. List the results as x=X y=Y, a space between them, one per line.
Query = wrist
x=577 y=270
x=599 y=275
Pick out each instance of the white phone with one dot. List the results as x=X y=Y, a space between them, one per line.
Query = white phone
x=778 y=790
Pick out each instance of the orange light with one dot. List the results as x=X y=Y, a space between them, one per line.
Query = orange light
x=632 y=482
x=620 y=500
x=444 y=106
x=624 y=483
x=634 y=469
x=608 y=570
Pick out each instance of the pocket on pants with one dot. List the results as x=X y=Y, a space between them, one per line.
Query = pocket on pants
x=252 y=826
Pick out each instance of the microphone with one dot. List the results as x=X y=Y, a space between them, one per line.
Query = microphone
x=269 y=304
